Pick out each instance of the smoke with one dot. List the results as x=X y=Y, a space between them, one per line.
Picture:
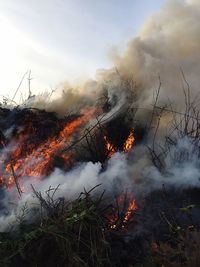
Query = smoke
x=82 y=177
x=122 y=172
x=168 y=41
x=65 y=99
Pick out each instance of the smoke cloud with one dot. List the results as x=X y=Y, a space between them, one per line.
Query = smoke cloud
x=168 y=42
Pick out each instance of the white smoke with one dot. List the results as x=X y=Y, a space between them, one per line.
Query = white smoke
x=82 y=177
x=134 y=173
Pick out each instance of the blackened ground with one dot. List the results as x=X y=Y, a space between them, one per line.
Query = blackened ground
x=166 y=209
x=159 y=219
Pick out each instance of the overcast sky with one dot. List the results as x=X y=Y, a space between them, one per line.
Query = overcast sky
x=64 y=39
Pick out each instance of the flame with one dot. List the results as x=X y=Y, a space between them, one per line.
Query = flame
x=123 y=212
x=131 y=208
x=22 y=158
x=109 y=147
x=39 y=160
x=129 y=143
x=127 y=146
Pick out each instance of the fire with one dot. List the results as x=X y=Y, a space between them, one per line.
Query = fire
x=123 y=212
x=127 y=146
x=23 y=157
x=38 y=161
x=109 y=147
x=129 y=143
x=131 y=208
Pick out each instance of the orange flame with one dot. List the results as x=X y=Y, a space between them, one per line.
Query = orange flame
x=125 y=212
x=131 y=208
x=127 y=146
x=40 y=159
x=109 y=147
x=129 y=143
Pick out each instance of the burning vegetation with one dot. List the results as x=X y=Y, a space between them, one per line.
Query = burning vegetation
x=115 y=225
x=123 y=211
x=36 y=144
x=35 y=149
x=28 y=158
x=109 y=177
x=127 y=146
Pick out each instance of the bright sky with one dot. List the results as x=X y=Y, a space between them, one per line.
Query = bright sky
x=64 y=39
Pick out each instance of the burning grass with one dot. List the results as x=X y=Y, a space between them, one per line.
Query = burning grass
x=40 y=141
x=122 y=212
x=28 y=158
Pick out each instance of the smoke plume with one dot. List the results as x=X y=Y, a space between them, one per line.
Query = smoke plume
x=167 y=45
x=168 y=41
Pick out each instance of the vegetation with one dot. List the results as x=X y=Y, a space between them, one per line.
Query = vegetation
x=67 y=234
x=77 y=233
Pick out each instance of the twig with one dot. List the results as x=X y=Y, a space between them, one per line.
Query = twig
x=29 y=84
x=16 y=180
x=19 y=85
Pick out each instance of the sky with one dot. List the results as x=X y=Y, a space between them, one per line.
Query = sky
x=62 y=40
